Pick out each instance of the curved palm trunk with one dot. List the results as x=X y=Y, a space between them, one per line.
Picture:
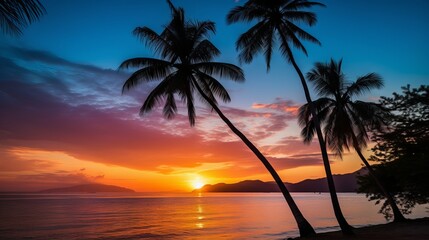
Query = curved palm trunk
x=305 y=229
x=398 y=217
x=345 y=227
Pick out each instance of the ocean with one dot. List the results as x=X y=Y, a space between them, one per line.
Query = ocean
x=176 y=216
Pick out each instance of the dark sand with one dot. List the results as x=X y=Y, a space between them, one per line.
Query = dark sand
x=416 y=229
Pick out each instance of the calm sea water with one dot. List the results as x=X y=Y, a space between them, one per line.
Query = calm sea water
x=175 y=216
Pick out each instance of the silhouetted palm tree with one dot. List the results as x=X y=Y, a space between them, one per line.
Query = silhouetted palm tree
x=17 y=14
x=346 y=121
x=276 y=21
x=185 y=66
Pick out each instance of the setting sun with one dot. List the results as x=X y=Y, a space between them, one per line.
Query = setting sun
x=197 y=183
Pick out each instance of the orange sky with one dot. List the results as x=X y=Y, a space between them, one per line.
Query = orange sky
x=35 y=169
x=64 y=121
x=54 y=137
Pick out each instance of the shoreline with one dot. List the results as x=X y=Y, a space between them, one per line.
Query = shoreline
x=413 y=229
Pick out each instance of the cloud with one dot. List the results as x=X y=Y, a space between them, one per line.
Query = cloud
x=256 y=125
x=282 y=105
x=47 y=117
x=52 y=104
x=45 y=180
x=15 y=164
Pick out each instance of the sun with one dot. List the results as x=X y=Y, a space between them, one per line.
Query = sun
x=197 y=183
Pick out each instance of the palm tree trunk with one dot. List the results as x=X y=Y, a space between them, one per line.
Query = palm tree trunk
x=345 y=227
x=397 y=215
x=305 y=229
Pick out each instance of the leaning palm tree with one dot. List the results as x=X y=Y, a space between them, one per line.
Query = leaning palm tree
x=186 y=66
x=276 y=21
x=18 y=14
x=346 y=121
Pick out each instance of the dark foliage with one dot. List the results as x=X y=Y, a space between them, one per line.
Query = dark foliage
x=345 y=120
x=18 y=14
x=277 y=23
x=402 y=151
x=185 y=59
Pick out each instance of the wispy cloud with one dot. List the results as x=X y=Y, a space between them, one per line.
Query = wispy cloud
x=52 y=104
x=282 y=105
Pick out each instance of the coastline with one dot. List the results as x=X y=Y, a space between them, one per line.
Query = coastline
x=413 y=229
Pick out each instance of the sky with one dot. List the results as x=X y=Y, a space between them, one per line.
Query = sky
x=64 y=121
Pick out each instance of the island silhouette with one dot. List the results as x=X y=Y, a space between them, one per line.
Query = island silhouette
x=343 y=182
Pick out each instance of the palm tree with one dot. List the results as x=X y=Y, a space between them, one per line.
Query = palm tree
x=186 y=65
x=276 y=20
x=17 y=14
x=346 y=122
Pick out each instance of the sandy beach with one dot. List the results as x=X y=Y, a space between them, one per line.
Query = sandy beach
x=416 y=229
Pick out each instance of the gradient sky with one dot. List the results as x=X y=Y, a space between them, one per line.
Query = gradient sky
x=63 y=120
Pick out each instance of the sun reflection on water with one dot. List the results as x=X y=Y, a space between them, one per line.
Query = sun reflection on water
x=200 y=217
x=199 y=225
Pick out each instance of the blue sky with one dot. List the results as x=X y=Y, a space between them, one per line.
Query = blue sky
x=388 y=37
x=60 y=93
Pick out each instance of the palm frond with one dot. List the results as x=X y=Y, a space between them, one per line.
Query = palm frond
x=365 y=84
x=220 y=69
x=244 y=13
x=285 y=48
x=171 y=6
x=252 y=42
x=320 y=105
x=358 y=125
x=156 y=95
x=205 y=51
x=373 y=115
x=300 y=4
x=153 y=40
x=327 y=78
x=170 y=108
x=190 y=103
x=204 y=86
x=337 y=131
x=302 y=34
x=203 y=29
x=18 y=14
x=323 y=108
x=309 y=18
x=320 y=75
x=146 y=74
x=308 y=131
x=213 y=87
x=287 y=31
x=143 y=62
x=270 y=42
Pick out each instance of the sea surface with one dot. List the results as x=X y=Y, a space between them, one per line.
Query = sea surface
x=176 y=216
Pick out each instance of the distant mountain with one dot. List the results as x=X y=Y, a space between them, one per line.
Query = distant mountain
x=244 y=186
x=343 y=183
x=88 y=188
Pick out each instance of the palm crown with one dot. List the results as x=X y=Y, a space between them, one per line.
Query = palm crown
x=185 y=63
x=345 y=121
x=276 y=19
